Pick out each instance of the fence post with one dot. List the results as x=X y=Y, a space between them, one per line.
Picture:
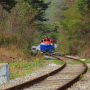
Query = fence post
x=23 y=70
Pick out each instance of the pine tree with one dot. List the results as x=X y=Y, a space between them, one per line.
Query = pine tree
x=40 y=6
x=8 y=4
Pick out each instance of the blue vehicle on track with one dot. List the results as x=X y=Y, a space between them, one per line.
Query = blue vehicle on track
x=46 y=44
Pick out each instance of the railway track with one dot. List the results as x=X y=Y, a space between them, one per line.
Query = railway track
x=59 y=79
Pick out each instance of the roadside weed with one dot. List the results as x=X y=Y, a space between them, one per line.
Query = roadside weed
x=81 y=77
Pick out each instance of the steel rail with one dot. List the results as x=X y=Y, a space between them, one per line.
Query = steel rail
x=67 y=85
x=36 y=80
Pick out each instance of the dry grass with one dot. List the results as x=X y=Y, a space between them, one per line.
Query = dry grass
x=85 y=53
x=11 y=54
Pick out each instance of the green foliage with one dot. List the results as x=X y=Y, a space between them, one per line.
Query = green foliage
x=63 y=43
x=81 y=76
x=19 y=26
x=88 y=4
x=40 y=6
x=33 y=53
x=87 y=60
x=75 y=27
x=74 y=62
x=58 y=62
x=88 y=69
x=16 y=64
x=47 y=30
x=72 y=17
x=8 y=4
x=81 y=3
x=6 y=40
x=29 y=67
x=51 y=11
x=64 y=7
x=64 y=54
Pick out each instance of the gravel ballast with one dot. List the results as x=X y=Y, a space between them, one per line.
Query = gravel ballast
x=28 y=77
x=83 y=84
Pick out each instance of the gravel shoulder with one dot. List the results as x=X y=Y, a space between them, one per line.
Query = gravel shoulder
x=83 y=84
x=28 y=77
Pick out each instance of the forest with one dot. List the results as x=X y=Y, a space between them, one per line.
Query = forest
x=74 y=33
x=24 y=22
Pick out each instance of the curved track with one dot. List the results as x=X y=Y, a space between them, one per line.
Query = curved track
x=60 y=79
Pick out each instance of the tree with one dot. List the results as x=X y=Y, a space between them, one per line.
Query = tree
x=75 y=27
x=81 y=3
x=8 y=4
x=40 y=6
x=46 y=30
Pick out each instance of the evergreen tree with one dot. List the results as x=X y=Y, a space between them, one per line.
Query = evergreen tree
x=8 y=4
x=46 y=30
x=40 y=6
x=81 y=3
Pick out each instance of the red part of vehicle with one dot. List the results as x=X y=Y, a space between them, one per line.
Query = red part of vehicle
x=46 y=40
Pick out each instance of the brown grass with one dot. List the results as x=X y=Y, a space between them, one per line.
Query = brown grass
x=10 y=54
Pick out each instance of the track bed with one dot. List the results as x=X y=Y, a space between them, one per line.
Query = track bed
x=59 y=79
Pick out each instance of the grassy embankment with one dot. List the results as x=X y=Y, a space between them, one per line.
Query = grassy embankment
x=86 y=61
x=71 y=62
x=29 y=67
x=74 y=62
